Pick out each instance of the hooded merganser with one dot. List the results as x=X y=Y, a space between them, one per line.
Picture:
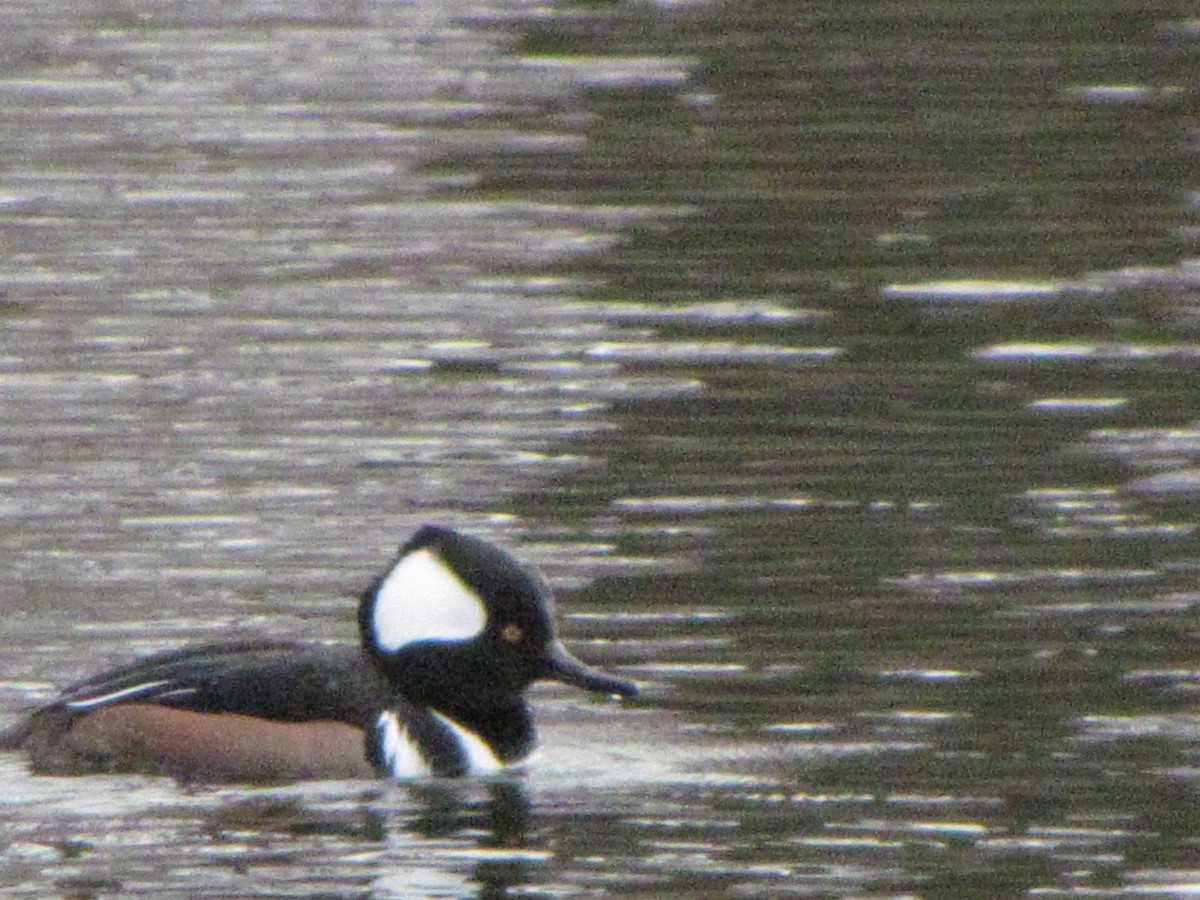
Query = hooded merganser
x=453 y=632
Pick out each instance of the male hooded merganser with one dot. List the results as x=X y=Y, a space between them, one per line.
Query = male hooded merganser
x=452 y=634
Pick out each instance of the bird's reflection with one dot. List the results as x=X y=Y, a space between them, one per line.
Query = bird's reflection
x=445 y=809
x=465 y=838
x=495 y=822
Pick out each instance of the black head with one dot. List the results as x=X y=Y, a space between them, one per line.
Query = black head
x=457 y=622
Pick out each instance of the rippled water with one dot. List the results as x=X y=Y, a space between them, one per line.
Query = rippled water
x=837 y=363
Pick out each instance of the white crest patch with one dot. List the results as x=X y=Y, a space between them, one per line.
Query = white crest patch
x=421 y=599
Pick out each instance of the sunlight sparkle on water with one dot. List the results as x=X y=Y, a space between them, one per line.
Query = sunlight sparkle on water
x=1077 y=404
x=1077 y=350
x=971 y=290
x=929 y=675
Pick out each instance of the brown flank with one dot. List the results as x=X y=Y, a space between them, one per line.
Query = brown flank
x=144 y=737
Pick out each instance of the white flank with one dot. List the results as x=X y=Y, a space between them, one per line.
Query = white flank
x=422 y=599
x=122 y=694
x=401 y=755
x=480 y=758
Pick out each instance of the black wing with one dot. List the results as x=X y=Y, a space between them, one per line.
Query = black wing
x=279 y=680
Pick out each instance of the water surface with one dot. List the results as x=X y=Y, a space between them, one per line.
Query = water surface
x=838 y=364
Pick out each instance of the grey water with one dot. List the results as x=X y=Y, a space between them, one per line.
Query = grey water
x=838 y=362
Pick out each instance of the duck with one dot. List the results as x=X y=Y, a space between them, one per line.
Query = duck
x=452 y=634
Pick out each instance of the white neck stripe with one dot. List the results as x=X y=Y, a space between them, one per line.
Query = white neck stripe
x=403 y=756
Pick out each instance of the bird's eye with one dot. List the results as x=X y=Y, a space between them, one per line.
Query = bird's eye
x=512 y=633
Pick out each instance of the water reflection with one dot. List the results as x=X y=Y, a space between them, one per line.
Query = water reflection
x=486 y=839
x=838 y=363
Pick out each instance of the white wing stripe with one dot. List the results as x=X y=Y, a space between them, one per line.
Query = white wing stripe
x=124 y=693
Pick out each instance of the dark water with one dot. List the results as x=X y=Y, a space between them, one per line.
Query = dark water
x=839 y=362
